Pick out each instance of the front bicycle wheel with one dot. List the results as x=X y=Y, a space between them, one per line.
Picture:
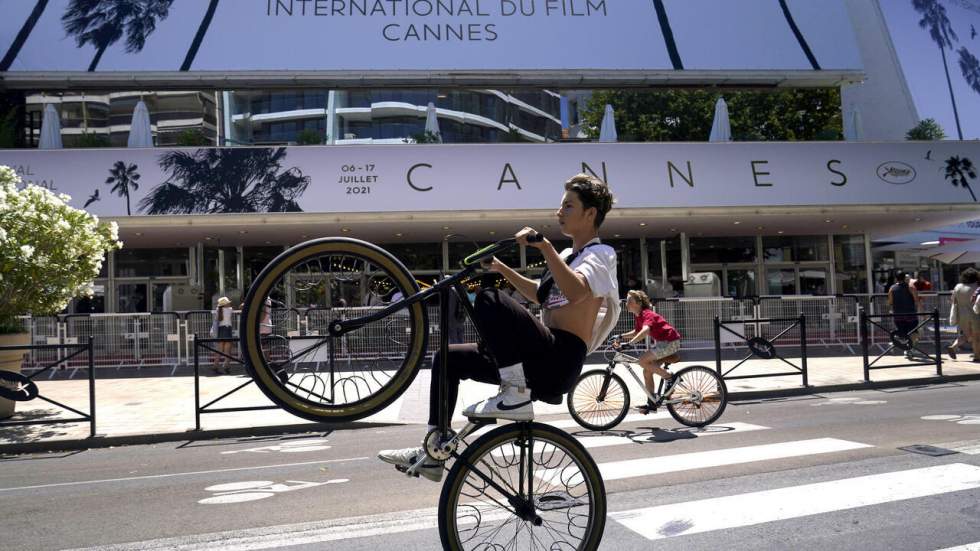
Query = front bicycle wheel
x=699 y=396
x=523 y=486
x=599 y=400
x=287 y=346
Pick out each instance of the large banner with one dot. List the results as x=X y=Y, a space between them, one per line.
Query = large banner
x=234 y=36
x=430 y=178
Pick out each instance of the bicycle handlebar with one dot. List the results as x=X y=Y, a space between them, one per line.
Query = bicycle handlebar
x=495 y=248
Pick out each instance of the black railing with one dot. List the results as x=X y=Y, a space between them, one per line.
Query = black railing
x=906 y=342
x=762 y=348
x=23 y=388
x=206 y=408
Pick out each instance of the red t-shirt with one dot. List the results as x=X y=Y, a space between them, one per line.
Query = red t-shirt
x=660 y=330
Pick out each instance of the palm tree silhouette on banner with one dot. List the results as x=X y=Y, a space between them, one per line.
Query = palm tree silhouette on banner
x=934 y=19
x=21 y=38
x=226 y=180
x=199 y=36
x=103 y=22
x=971 y=69
x=959 y=171
x=123 y=179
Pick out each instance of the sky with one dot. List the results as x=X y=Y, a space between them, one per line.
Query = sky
x=922 y=63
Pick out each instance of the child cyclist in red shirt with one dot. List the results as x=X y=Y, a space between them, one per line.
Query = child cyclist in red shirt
x=650 y=323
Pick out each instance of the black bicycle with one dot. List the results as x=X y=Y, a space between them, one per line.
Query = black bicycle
x=522 y=485
x=696 y=396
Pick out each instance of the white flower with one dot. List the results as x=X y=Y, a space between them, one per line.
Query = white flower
x=63 y=224
x=26 y=251
x=3 y=234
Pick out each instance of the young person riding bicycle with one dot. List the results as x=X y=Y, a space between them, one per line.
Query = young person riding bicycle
x=578 y=295
x=649 y=323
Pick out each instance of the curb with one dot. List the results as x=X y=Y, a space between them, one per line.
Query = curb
x=846 y=387
x=245 y=432
x=190 y=435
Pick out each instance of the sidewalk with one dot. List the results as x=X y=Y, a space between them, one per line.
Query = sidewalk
x=156 y=409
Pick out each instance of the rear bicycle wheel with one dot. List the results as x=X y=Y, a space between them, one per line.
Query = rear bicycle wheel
x=596 y=404
x=556 y=483
x=699 y=396
x=300 y=366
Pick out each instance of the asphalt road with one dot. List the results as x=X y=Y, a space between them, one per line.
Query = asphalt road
x=816 y=472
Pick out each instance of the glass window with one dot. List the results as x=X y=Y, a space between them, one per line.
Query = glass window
x=257 y=258
x=741 y=283
x=850 y=264
x=628 y=259
x=723 y=250
x=152 y=262
x=781 y=281
x=803 y=248
x=417 y=256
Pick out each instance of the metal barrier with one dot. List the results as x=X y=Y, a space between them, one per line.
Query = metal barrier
x=23 y=388
x=206 y=408
x=167 y=338
x=694 y=317
x=832 y=320
x=760 y=346
x=897 y=339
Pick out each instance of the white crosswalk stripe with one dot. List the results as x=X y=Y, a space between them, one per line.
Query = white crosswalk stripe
x=677 y=434
x=975 y=546
x=729 y=456
x=772 y=505
x=968 y=447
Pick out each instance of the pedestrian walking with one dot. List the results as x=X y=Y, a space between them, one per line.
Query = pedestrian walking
x=904 y=299
x=962 y=315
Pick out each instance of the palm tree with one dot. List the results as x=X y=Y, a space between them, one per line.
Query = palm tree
x=226 y=180
x=21 y=38
x=959 y=172
x=971 y=69
x=934 y=18
x=103 y=22
x=202 y=29
x=123 y=180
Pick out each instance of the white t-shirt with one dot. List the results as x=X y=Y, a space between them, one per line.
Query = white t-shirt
x=597 y=263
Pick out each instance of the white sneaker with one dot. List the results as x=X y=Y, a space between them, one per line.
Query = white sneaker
x=511 y=402
x=405 y=458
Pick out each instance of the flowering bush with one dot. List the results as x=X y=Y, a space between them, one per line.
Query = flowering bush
x=49 y=251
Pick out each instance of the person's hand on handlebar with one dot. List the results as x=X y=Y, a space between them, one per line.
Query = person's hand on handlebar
x=492 y=264
x=530 y=237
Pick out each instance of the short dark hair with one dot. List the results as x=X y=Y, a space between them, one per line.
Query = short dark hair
x=594 y=193
x=969 y=275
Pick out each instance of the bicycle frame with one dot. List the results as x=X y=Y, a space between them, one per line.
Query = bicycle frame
x=447 y=442
x=626 y=360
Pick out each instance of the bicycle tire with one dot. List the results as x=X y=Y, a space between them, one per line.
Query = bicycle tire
x=705 y=380
x=267 y=377
x=585 y=480
x=584 y=395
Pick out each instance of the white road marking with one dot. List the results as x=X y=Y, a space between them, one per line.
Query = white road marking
x=172 y=475
x=295 y=446
x=678 y=434
x=630 y=418
x=968 y=447
x=785 y=503
x=975 y=546
x=291 y=534
x=730 y=456
x=238 y=492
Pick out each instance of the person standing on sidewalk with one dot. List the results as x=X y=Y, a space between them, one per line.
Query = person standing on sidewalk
x=221 y=328
x=961 y=314
x=903 y=299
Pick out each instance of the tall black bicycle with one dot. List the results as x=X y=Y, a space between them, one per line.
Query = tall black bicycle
x=522 y=485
